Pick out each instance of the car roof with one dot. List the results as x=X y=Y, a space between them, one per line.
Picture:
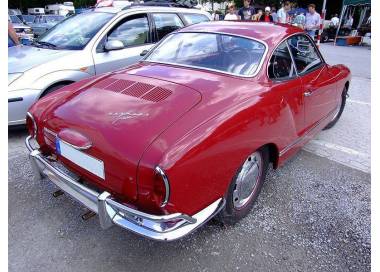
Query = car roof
x=270 y=33
x=148 y=9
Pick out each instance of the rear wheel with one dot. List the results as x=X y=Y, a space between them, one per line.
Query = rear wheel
x=245 y=187
x=339 y=110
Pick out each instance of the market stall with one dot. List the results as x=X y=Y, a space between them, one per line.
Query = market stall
x=355 y=23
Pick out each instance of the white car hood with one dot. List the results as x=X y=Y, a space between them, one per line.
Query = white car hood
x=23 y=58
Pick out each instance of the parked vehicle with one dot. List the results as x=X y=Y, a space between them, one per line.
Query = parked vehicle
x=27 y=19
x=65 y=9
x=23 y=31
x=84 y=45
x=43 y=23
x=36 y=11
x=164 y=145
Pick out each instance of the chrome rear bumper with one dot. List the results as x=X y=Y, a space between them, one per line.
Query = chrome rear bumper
x=110 y=212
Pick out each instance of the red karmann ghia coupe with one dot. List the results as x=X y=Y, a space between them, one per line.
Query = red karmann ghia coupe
x=162 y=146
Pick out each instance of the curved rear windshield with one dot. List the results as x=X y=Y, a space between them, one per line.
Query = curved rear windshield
x=213 y=51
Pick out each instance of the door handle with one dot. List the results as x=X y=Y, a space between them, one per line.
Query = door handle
x=307 y=93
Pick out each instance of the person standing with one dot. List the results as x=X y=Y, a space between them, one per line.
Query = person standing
x=247 y=11
x=12 y=36
x=313 y=21
x=274 y=14
x=283 y=16
x=335 y=20
x=266 y=17
x=231 y=15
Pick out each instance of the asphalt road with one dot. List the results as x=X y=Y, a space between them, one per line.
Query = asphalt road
x=313 y=214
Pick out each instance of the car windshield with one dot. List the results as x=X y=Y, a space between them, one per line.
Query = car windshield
x=76 y=31
x=28 y=18
x=15 y=19
x=220 y=52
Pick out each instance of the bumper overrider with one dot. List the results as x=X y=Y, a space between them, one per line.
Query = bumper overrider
x=158 y=227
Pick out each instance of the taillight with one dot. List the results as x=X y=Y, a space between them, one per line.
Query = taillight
x=31 y=125
x=161 y=187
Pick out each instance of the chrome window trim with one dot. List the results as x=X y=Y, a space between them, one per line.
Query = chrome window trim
x=166 y=183
x=286 y=39
x=258 y=69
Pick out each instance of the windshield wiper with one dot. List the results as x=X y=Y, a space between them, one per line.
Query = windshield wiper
x=45 y=44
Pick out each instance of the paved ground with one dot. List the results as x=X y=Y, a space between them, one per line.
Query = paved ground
x=349 y=142
x=312 y=215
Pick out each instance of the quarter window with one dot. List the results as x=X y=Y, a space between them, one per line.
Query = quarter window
x=305 y=54
x=166 y=23
x=134 y=31
x=195 y=18
x=281 y=65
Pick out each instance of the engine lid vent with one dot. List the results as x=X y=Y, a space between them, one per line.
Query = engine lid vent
x=157 y=94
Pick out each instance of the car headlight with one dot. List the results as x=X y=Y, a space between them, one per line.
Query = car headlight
x=28 y=30
x=12 y=77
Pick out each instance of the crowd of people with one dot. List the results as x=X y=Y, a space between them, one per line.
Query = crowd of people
x=289 y=13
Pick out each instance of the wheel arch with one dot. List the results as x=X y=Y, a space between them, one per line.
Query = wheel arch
x=62 y=82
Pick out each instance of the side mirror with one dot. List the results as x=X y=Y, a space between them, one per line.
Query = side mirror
x=144 y=52
x=113 y=45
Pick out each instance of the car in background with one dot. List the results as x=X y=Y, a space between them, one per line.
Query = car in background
x=43 y=23
x=26 y=19
x=189 y=132
x=84 y=45
x=23 y=31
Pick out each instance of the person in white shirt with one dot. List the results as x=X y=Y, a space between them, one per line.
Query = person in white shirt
x=231 y=15
x=282 y=14
x=335 y=21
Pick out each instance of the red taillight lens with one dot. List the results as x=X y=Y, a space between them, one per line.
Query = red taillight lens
x=161 y=187
x=31 y=125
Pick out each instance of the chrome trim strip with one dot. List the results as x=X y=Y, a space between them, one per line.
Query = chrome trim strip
x=167 y=186
x=158 y=227
x=50 y=132
x=34 y=124
x=300 y=139
x=258 y=69
x=75 y=146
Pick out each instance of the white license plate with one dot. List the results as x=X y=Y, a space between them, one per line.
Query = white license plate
x=81 y=159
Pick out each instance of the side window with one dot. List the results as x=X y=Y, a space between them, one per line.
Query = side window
x=304 y=53
x=281 y=65
x=195 y=18
x=132 y=32
x=166 y=23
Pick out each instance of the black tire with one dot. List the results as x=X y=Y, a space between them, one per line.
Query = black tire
x=341 y=109
x=52 y=89
x=230 y=214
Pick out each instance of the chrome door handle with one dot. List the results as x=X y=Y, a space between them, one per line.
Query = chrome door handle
x=308 y=93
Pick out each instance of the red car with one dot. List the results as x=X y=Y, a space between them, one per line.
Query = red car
x=186 y=134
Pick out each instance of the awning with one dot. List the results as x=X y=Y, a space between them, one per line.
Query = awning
x=356 y=2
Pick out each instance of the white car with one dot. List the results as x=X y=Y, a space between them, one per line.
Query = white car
x=87 y=44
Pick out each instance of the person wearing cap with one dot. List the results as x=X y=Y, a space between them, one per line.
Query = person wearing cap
x=247 y=11
x=266 y=17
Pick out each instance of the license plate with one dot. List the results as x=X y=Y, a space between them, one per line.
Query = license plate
x=80 y=158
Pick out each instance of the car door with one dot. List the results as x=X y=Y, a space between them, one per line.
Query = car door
x=318 y=85
x=165 y=23
x=286 y=84
x=134 y=32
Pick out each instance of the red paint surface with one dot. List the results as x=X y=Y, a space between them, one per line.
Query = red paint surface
x=199 y=126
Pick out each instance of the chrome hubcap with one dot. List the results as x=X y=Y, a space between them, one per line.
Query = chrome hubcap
x=247 y=180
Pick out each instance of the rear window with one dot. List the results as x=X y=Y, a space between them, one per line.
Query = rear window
x=195 y=18
x=220 y=52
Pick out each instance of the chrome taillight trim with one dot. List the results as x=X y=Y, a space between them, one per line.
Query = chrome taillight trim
x=166 y=183
x=34 y=124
